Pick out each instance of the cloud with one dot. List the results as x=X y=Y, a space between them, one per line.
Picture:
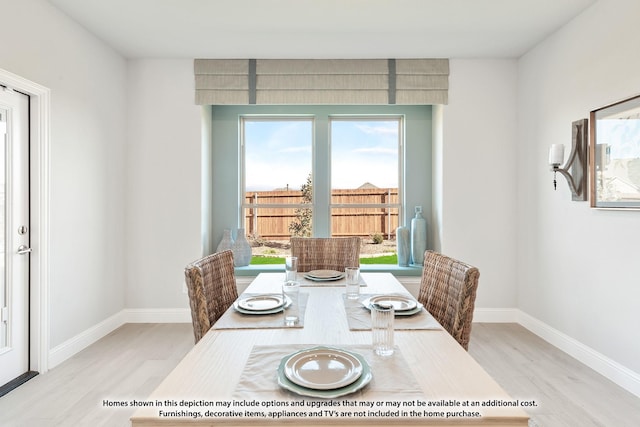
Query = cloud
x=377 y=150
x=391 y=129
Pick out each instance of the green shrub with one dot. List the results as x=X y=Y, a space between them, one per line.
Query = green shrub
x=377 y=238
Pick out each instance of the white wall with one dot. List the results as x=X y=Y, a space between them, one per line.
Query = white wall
x=578 y=267
x=87 y=82
x=163 y=181
x=478 y=175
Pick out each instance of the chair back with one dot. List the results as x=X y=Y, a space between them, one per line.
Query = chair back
x=332 y=253
x=211 y=284
x=448 y=291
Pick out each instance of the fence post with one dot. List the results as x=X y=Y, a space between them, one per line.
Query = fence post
x=389 y=216
x=255 y=216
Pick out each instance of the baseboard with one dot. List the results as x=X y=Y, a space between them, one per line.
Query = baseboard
x=157 y=315
x=610 y=369
x=62 y=352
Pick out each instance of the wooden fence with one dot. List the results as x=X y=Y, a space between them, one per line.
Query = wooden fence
x=273 y=223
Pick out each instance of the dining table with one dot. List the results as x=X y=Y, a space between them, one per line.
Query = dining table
x=239 y=373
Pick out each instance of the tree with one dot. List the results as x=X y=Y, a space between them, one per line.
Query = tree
x=301 y=225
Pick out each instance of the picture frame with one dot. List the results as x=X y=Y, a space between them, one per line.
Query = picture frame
x=614 y=159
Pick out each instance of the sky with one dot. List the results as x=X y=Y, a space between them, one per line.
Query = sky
x=279 y=153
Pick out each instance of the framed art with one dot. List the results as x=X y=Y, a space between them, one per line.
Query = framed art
x=615 y=155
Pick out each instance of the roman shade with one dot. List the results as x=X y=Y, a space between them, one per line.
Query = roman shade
x=321 y=81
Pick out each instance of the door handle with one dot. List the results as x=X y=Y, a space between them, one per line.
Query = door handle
x=23 y=250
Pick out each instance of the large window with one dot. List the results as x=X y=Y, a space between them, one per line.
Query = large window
x=319 y=171
x=287 y=193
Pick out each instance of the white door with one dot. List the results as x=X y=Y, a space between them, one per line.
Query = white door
x=14 y=234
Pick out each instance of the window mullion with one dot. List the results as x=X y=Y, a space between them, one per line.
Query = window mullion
x=321 y=178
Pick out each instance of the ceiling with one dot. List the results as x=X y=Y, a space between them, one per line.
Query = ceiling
x=322 y=28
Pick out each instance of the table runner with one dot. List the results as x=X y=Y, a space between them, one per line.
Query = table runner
x=232 y=319
x=359 y=318
x=392 y=376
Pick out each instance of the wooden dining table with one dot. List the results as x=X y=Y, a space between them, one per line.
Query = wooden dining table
x=230 y=377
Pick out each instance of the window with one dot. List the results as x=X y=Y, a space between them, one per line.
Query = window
x=319 y=171
x=284 y=193
x=276 y=177
x=365 y=176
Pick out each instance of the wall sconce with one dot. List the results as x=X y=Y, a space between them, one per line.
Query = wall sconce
x=577 y=176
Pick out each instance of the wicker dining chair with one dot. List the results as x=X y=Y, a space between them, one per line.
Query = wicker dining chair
x=331 y=253
x=448 y=291
x=211 y=284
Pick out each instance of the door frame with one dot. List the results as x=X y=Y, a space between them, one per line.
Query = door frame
x=39 y=177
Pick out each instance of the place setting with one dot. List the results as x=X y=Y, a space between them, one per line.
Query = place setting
x=403 y=305
x=324 y=372
x=330 y=277
x=255 y=311
x=328 y=372
x=409 y=313
x=262 y=304
x=323 y=275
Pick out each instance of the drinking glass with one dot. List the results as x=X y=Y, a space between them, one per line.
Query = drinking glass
x=290 y=268
x=382 y=316
x=291 y=289
x=353 y=282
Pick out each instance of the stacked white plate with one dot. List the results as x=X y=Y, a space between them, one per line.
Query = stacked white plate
x=403 y=305
x=324 y=372
x=324 y=275
x=261 y=304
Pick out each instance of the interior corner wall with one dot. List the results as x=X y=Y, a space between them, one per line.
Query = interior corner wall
x=478 y=185
x=163 y=195
x=87 y=82
x=578 y=267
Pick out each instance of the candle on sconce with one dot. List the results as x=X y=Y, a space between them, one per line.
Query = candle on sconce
x=556 y=154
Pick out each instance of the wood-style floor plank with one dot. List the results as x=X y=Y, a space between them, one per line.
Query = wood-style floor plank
x=127 y=364
x=131 y=361
x=568 y=393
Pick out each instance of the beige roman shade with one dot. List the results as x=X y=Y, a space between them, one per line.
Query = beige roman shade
x=321 y=81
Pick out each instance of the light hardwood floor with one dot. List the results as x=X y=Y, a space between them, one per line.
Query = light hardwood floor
x=131 y=361
x=569 y=394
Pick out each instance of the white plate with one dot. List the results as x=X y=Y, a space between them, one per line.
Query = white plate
x=358 y=384
x=325 y=274
x=418 y=308
x=261 y=302
x=323 y=368
x=239 y=309
x=330 y=279
x=399 y=302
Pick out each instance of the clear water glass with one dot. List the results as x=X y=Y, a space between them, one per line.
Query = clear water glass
x=291 y=289
x=382 y=316
x=290 y=268
x=353 y=282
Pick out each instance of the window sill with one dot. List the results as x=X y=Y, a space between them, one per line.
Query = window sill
x=396 y=270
